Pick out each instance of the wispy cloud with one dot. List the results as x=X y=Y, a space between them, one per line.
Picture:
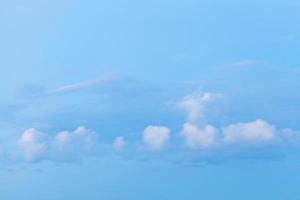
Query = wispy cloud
x=244 y=63
x=241 y=64
x=84 y=85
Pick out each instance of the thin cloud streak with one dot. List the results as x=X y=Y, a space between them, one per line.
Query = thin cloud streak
x=80 y=86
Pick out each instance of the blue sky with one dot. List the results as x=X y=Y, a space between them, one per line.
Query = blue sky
x=149 y=99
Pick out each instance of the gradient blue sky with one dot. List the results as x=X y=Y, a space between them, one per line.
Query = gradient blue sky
x=216 y=83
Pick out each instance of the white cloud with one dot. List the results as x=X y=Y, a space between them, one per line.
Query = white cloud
x=195 y=104
x=119 y=143
x=85 y=137
x=80 y=140
x=234 y=139
x=196 y=138
x=254 y=132
x=37 y=146
x=33 y=144
x=62 y=140
x=156 y=137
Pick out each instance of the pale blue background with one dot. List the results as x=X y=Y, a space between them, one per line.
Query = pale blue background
x=160 y=50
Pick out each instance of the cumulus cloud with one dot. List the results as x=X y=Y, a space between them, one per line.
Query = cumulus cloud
x=38 y=146
x=195 y=104
x=33 y=144
x=201 y=136
x=80 y=140
x=254 y=132
x=197 y=138
x=156 y=137
x=62 y=140
x=119 y=143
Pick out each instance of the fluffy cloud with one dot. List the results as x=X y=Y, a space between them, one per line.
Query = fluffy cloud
x=254 y=132
x=119 y=143
x=195 y=105
x=37 y=146
x=156 y=137
x=33 y=144
x=198 y=135
x=196 y=138
x=62 y=140
x=80 y=140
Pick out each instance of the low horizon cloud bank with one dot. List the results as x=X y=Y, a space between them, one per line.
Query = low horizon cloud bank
x=196 y=136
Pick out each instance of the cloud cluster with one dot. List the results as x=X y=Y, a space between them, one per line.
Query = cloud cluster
x=81 y=139
x=38 y=146
x=250 y=134
x=195 y=136
x=199 y=136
